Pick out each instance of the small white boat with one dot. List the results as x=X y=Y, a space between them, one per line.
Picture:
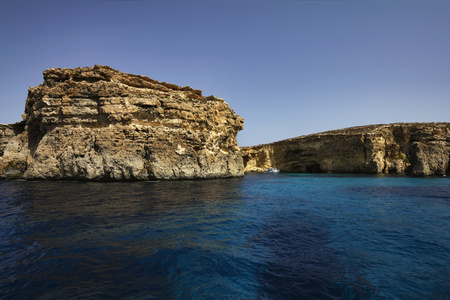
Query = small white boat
x=272 y=170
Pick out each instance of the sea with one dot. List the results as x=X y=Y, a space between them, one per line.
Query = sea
x=263 y=236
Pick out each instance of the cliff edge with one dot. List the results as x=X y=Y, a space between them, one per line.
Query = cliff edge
x=420 y=149
x=98 y=123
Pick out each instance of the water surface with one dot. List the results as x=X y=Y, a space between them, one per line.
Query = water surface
x=264 y=236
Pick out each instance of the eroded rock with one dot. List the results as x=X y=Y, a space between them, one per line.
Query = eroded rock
x=98 y=123
x=421 y=149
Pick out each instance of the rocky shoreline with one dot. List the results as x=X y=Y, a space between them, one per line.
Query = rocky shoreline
x=97 y=123
x=419 y=149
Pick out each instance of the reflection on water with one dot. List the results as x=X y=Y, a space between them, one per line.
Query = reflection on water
x=261 y=236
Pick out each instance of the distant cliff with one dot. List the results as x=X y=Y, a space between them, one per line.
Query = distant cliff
x=420 y=149
x=97 y=123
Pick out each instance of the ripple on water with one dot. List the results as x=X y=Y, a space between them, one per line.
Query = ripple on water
x=287 y=236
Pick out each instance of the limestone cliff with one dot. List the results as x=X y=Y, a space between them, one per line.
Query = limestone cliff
x=101 y=124
x=420 y=149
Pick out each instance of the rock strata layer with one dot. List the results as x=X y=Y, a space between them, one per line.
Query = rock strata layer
x=420 y=149
x=98 y=123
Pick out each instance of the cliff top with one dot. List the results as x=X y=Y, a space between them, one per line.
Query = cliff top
x=101 y=95
x=97 y=73
x=358 y=130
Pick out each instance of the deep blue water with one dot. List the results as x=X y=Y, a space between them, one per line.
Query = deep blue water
x=280 y=236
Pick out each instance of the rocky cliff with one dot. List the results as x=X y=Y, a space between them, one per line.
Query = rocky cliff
x=420 y=149
x=98 y=123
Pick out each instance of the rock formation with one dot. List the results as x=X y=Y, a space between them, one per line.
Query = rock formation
x=420 y=149
x=97 y=123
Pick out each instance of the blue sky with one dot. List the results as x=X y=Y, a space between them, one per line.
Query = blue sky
x=289 y=68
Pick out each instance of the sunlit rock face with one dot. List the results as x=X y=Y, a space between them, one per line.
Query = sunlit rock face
x=420 y=149
x=97 y=123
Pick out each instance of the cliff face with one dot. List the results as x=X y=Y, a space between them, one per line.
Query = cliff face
x=7 y=133
x=101 y=124
x=420 y=149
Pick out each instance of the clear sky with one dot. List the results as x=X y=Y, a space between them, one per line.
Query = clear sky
x=288 y=67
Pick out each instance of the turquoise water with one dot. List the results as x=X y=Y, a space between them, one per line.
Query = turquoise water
x=264 y=236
